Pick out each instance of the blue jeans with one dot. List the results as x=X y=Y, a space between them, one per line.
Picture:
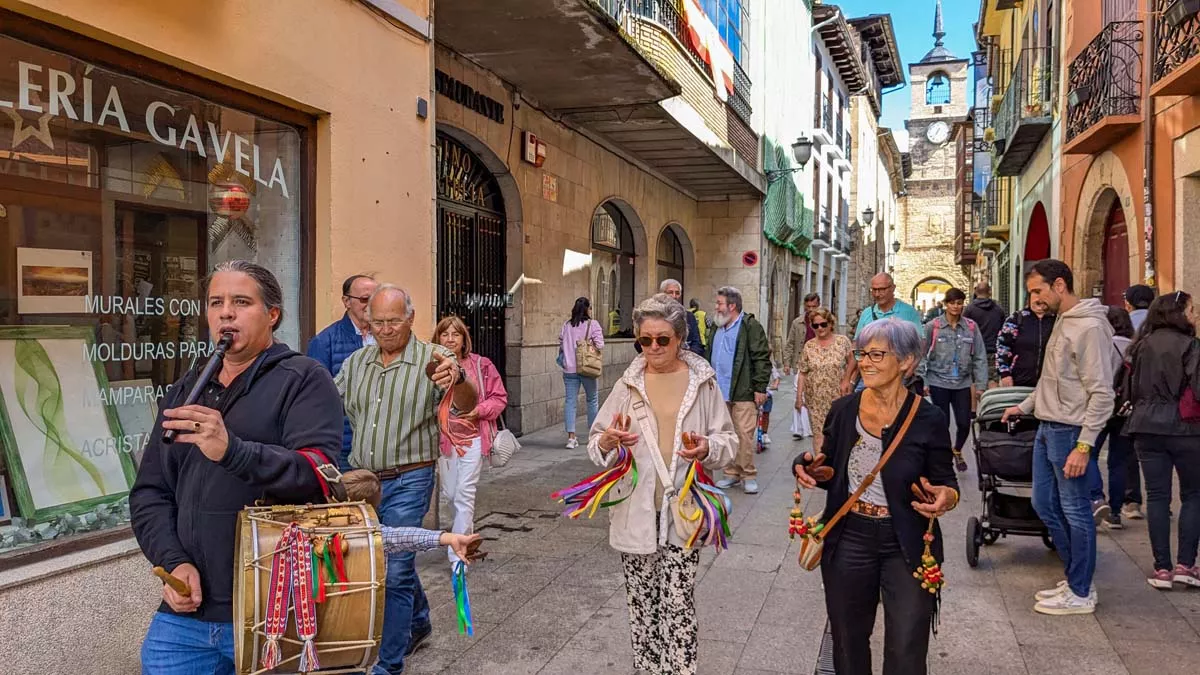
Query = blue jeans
x=406 y=610
x=590 y=390
x=1120 y=454
x=180 y=645
x=1064 y=505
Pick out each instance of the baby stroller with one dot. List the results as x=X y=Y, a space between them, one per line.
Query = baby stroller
x=1004 y=461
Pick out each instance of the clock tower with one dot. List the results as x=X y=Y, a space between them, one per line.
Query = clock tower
x=939 y=102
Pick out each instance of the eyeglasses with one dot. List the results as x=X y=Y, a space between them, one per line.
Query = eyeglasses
x=881 y=290
x=390 y=323
x=823 y=324
x=361 y=298
x=876 y=355
x=662 y=340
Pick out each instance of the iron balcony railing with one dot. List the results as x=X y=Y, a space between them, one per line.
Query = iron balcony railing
x=1105 y=79
x=824 y=228
x=996 y=206
x=1176 y=42
x=1030 y=91
x=666 y=14
x=984 y=134
x=827 y=115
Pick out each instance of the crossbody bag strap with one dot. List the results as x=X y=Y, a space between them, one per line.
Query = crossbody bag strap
x=870 y=477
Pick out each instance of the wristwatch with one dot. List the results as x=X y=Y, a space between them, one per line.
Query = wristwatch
x=1083 y=448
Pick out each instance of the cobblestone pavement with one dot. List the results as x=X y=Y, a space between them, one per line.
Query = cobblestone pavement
x=550 y=597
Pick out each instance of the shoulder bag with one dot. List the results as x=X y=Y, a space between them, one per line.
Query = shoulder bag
x=588 y=360
x=684 y=525
x=813 y=546
x=504 y=442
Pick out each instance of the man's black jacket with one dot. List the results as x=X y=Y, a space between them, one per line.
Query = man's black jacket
x=184 y=507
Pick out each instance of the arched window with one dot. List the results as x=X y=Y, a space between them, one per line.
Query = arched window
x=670 y=257
x=612 y=249
x=937 y=89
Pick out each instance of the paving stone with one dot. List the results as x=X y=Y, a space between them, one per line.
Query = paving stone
x=570 y=661
x=1166 y=657
x=753 y=557
x=1073 y=659
x=718 y=658
x=776 y=651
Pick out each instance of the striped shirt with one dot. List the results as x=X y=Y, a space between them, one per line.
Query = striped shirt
x=414 y=539
x=392 y=408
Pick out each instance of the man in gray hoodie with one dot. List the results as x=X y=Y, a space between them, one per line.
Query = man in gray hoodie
x=1073 y=400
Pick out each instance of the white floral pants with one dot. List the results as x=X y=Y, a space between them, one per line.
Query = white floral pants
x=662 y=609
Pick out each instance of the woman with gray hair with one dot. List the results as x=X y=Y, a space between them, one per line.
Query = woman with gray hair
x=888 y=433
x=666 y=392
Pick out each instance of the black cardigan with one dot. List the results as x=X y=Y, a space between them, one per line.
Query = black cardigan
x=925 y=451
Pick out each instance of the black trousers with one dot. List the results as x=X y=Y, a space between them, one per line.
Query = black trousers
x=958 y=401
x=867 y=564
x=1159 y=457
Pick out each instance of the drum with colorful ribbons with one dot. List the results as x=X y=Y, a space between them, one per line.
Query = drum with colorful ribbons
x=308 y=589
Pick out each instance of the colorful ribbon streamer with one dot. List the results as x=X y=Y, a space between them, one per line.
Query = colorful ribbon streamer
x=462 y=602
x=587 y=495
x=711 y=508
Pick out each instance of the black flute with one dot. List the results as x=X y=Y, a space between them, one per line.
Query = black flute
x=210 y=369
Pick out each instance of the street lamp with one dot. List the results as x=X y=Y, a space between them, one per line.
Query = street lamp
x=868 y=216
x=895 y=247
x=802 y=151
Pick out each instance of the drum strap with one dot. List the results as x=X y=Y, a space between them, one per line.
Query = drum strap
x=328 y=474
x=291 y=584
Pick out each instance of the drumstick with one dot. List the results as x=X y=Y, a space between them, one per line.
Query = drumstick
x=179 y=585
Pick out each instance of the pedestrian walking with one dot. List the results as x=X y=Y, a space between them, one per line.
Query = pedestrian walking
x=1165 y=377
x=460 y=470
x=741 y=355
x=800 y=332
x=954 y=369
x=873 y=552
x=1137 y=302
x=1073 y=400
x=703 y=324
x=883 y=290
x=823 y=372
x=391 y=398
x=1120 y=446
x=1021 y=346
x=342 y=338
x=578 y=333
x=665 y=392
x=989 y=316
x=237 y=444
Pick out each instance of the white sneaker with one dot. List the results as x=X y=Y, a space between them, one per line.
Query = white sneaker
x=766 y=439
x=1059 y=589
x=726 y=483
x=1132 y=511
x=1066 y=603
x=572 y=443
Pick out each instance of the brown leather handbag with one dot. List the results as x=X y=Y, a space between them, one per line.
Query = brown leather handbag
x=814 y=545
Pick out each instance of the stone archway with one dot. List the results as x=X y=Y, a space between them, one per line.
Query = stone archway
x=1106 y=185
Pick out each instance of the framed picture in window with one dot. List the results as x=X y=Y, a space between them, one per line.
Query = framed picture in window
x=53 y=281
x=63 y=442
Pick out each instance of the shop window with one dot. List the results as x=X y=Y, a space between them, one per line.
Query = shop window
x=937 y=89
x=612 y=250
x=116 y=198
x=670 y=257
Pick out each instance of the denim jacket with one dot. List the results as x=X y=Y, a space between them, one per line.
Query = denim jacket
x=955 y=358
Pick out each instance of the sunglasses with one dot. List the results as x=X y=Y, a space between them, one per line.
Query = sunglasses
x=823 y=324
x=662 y=340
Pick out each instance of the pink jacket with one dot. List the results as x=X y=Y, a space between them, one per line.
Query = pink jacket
x=493 y=399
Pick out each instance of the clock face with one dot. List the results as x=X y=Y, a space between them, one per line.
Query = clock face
x=938 y=132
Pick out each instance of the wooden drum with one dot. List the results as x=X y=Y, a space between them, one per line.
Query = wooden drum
x=349 y=621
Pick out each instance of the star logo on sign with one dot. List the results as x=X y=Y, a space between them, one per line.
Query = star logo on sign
x=22 y=132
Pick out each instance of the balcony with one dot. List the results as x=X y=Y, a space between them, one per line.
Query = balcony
x=1104 y=85
x=984 y=134
x=1026 y=110
x=966 y=237
x=823 y=230
x=624 y=72
x=996 y=209
x=1176 y=67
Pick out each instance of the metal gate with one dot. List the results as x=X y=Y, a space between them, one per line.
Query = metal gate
x=470 y=244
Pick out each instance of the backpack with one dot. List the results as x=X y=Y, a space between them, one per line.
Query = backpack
x=1123 y=388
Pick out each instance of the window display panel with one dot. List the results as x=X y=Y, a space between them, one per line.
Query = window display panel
x=117 y=196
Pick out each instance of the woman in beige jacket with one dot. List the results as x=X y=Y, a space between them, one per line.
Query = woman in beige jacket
x=665 y=392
